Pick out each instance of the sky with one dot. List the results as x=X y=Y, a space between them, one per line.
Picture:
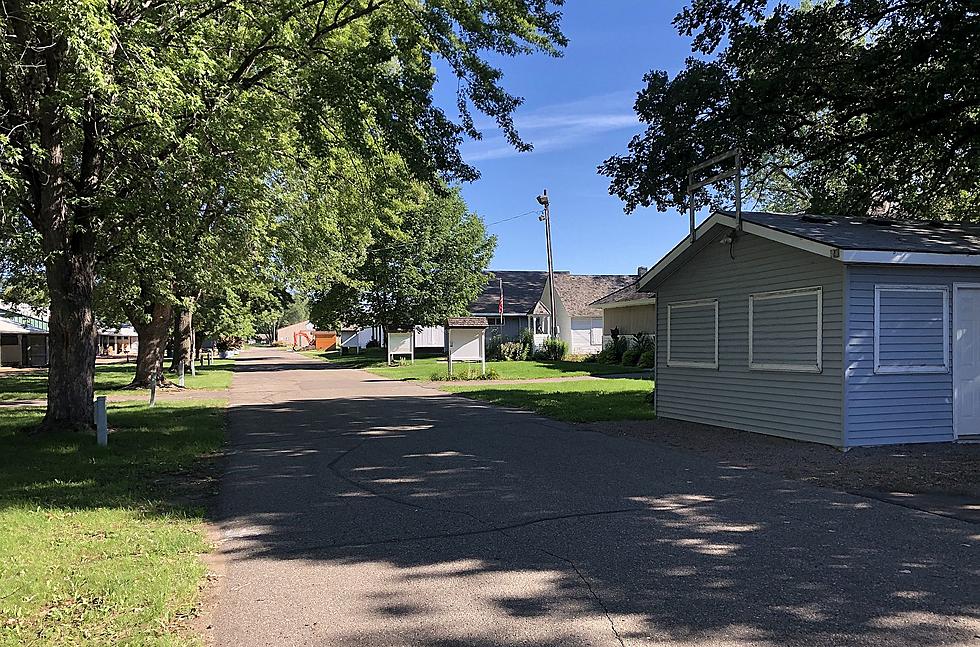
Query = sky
x=578 y=111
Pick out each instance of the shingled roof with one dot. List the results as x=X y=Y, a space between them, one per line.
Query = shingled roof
x=522 y=292
x=577 y=292
x=844 y=232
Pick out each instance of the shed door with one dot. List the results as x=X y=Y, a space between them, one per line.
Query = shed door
x=581 y=332
x=966 y=360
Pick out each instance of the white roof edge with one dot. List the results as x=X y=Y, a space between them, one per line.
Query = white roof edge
x=861 y=256
x=625 y=304
x=13 y=328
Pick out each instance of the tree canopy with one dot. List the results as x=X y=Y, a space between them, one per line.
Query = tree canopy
x=427 y=267
x=102 y=102
x=844 y=106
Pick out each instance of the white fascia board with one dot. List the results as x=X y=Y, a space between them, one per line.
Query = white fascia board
x=626 y=304
x=868 y=256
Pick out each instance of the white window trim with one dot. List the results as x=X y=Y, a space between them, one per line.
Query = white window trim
x=816 y=291
x=913 y=369
x=700 y=303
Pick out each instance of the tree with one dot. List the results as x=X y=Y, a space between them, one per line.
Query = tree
x=96 y=97
x=850 y=106
x=427 y=269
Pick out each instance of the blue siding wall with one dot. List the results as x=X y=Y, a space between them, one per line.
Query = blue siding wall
x=883 y=409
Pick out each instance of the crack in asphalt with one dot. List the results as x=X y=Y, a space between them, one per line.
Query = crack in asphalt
x=502 y=530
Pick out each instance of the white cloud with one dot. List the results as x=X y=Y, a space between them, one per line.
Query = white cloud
x=559 y=126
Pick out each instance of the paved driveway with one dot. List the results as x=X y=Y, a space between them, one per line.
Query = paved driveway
x=362 y=512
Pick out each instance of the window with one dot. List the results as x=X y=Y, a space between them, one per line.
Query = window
x=9 y=340
x=911 y=329
x=596 y=335
x=692 y=334
x=786 y=330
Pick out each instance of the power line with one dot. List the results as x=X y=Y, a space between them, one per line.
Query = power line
x=520 y=215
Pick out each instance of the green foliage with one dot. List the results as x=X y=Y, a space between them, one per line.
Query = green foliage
x=554 y=349
x=467 y=373
x=648 y=359
x=494 y=349
x=644 y=342
x=631 y=356
x=838 y=107
x=428 y=266
x=612 y=352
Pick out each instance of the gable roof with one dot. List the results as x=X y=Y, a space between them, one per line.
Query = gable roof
x=847 y=239
x=522 y=292
x=578 y=291
x=628 y=296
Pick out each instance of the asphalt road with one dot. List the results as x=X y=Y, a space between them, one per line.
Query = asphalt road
x=359 y=511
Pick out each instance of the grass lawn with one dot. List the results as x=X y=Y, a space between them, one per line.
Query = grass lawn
x=576 y=401
x=94 y=548
x=111 y=377
x=374 y=361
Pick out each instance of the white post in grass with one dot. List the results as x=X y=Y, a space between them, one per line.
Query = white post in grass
x=180 y=373
x=101 y=422
x=153 y=387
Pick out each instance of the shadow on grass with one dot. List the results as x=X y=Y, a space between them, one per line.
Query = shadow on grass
x=110 y=378
x=151 y=454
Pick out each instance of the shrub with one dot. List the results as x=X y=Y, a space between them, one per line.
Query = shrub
x=631 y=357
x=512 y=351
x=648 y=359
x=644 y=342
x=613 y=351
x=554 y=349
x=471 y=372
x=374 y=343
x=526 y=340
x=495 y=351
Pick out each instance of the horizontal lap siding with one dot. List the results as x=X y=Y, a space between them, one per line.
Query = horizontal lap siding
x=631 y=319
x=804 y=406
x=885 y=409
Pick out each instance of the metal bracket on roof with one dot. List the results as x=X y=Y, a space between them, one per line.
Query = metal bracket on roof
x=735 y=171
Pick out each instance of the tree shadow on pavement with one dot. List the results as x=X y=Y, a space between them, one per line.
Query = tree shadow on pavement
x=453 y=522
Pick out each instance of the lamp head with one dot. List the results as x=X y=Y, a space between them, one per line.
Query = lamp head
x=543 y=198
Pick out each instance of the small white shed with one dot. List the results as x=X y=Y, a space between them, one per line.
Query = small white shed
x=467 y=341
x=401 y=342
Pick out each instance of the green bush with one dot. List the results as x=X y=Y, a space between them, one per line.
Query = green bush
x=644 y=342
x=613 y=351
x=554 y=349
x=513 y=351
x=495 y=352
x=471 y=372
x=648 y=359
x=631 y=357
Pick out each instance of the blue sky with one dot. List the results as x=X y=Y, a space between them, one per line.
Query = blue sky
x=578 y=111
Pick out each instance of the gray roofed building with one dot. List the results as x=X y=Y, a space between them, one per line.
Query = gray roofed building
x=522 y=292
x=934 y=236
x=578 y=291
x=839 y=330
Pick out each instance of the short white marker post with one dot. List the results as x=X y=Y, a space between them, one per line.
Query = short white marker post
x=101 y=422
x=180 y=373
x=153 y=387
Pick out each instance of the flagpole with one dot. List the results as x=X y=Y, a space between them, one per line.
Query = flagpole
x=501 y=308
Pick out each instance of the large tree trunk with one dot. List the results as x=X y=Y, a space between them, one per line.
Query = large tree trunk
x=182 y=340
x=72 y=342
x=68 y=240
x=153 y=337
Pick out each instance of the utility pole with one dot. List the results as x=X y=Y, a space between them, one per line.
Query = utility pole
x=546 y=218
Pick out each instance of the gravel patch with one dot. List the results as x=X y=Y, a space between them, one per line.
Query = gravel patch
x=945 y=469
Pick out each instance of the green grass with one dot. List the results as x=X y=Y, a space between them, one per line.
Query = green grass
x=575 y=401
x=111 y=377
x=95 y=546
x=374 y=361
